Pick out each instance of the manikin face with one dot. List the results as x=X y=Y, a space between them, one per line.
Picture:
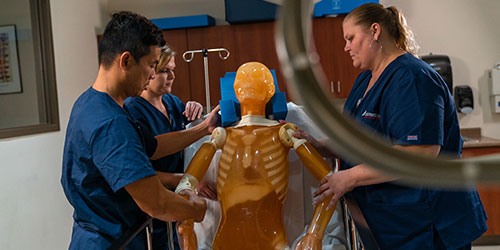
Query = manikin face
x=142 y=72
x=358 y=41
x=164 y=79
x=254 y=84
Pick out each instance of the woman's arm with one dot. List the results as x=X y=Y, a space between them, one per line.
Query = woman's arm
x=173 y=142
x=344 y=181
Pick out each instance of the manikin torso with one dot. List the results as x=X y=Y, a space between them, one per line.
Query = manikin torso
x=252 y=184
x=252 y=180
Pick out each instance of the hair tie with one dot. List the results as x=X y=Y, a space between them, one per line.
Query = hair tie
x=391 y=11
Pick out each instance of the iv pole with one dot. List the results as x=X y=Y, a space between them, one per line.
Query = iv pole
x=188 y=57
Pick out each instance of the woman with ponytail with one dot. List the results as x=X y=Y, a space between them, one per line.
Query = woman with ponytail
x=405 y=100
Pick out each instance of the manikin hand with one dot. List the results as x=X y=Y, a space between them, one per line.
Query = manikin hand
x=186 y=235
x=309 y=242
x=185 y=229
x=193 y=110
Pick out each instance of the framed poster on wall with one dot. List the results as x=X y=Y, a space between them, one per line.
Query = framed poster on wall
x=10 y=77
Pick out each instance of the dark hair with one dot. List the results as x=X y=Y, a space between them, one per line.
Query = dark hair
x=391 y=19
x=130 y=32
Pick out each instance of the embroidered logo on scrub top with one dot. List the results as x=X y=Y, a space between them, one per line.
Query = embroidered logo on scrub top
x=369 y=115
x=412 y=138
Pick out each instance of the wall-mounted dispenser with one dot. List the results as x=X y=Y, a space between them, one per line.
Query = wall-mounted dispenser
x=442 y=65
x=464 y=99
x=495 y=87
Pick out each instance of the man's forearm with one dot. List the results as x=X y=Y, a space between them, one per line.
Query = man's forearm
x=158 y=202
x=169 y=180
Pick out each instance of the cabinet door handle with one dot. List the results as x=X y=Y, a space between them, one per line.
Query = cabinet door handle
x=331 y=87
x=338 y=87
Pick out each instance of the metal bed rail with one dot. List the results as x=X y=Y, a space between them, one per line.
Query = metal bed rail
x=358 y=233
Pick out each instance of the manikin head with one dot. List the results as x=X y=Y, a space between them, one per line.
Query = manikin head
x=254 y=87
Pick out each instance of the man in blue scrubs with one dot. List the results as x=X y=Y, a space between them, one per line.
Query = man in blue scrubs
x=406 y=101
x=158 y=110
x=107 y=175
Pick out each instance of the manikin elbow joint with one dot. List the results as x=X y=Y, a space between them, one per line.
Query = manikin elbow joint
x=287 y=138
x=187 y=182
x=218 y=137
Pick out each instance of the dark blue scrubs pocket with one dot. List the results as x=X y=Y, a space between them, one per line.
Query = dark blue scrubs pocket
x=372 y=122
x=394 y=226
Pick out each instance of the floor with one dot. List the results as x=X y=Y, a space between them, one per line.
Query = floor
x=486 y=248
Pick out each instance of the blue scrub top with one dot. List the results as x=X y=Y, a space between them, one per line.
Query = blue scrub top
x=144 y=113
x=103 y=153
x=411 y=105
x=151 y=118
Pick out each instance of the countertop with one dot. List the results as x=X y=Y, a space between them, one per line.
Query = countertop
x=473 y=138
x=481 y=142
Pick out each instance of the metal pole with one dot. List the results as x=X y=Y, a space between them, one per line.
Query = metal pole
x=188 y=57
x=148 y=235
x=207 y=86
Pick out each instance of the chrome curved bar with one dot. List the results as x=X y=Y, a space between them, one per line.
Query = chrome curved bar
x=302 y=70
x=221 y=54
x=189 y=55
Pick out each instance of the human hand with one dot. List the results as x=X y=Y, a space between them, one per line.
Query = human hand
x=336 y=184
x=193 y=110
x=309 y=242
x=199 y=204
x=207 y=190
x=301 y=134
x=213 y=120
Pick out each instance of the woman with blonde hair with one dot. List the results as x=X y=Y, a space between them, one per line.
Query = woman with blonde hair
x=159 y=111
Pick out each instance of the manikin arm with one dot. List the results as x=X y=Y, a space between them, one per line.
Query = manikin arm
x=319 y=169
x=193 y=175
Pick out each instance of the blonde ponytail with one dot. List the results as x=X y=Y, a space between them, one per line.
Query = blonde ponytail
x=406 y=39
x=391 y=19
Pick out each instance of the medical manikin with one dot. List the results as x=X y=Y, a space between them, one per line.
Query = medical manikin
x=252 y=176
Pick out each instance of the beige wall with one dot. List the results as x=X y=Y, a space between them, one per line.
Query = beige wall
x=34 y=212
x=469 y=33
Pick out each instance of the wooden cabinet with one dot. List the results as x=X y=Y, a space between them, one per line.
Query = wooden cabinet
x=254 y=42
x=490 y=196
x=245 y=42
x=336 y=63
